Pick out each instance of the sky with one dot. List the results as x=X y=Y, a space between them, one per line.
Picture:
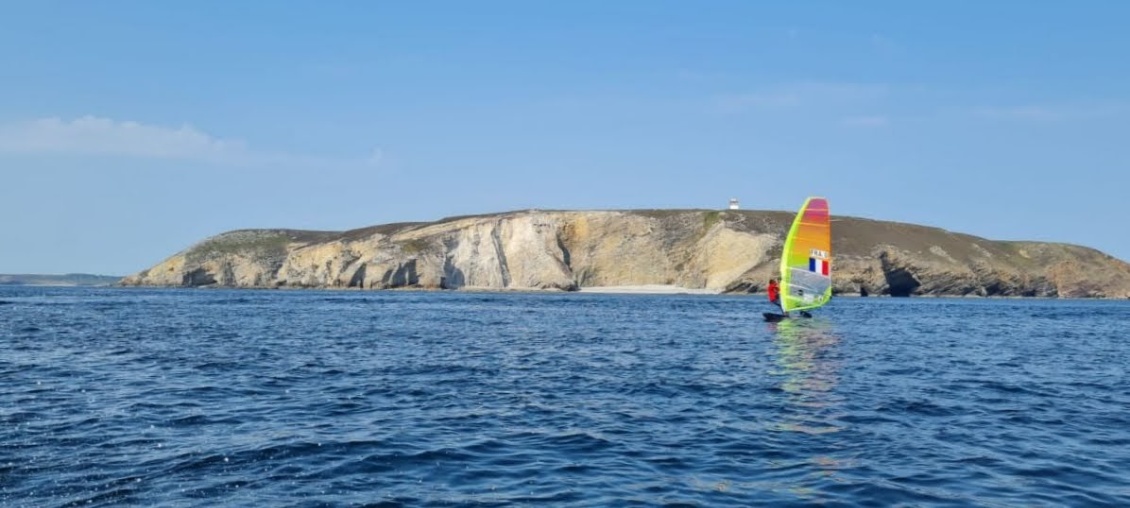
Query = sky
x=130 y=130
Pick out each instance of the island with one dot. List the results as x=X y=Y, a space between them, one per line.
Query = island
x=712 y=251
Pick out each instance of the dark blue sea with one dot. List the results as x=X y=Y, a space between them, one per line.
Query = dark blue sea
x=112 y=397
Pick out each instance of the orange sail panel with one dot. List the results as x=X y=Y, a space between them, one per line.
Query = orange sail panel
x=806 y=262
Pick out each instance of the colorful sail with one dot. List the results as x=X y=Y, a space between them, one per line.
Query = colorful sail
x=806 y=262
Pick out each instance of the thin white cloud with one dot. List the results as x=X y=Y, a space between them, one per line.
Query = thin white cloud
x=1050 y=113
x=96 y=136
x=90 y=135
x=377 y=157
x=1017 y=113
x=801 y=94
x=694 y=76
x=759 y=100
x=866 y=121
x=883 y=43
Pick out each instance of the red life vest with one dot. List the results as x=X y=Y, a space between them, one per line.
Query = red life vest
x=773 y=292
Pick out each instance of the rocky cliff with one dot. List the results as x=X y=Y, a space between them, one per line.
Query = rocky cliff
x=726 y=251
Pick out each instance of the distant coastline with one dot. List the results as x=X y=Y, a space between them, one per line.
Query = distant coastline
x=68 y=279
x=654 y=290
x=636 y=251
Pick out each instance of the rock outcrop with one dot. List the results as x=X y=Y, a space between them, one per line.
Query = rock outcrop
x=723 y=251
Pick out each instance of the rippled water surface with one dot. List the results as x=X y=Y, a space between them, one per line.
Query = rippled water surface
x=304 y=398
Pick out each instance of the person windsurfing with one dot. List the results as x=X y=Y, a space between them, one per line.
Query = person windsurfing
x=775 y=295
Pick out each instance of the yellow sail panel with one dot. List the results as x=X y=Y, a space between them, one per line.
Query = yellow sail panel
x=806 y=262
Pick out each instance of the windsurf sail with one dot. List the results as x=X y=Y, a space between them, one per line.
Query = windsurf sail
x=806 y=261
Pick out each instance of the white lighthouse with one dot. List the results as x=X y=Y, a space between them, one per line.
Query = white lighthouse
x=734 y=204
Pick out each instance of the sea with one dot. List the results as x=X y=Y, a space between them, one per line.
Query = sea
x=216 y=397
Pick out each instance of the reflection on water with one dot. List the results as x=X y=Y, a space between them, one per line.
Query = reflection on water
x=806 y=359
x=807 y=362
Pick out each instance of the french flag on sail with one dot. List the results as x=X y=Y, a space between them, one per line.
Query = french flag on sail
x=817 y=265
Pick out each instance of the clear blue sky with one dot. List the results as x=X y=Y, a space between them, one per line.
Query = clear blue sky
x=132 y=129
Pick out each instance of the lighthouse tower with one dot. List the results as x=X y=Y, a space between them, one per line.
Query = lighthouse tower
x=734 y=203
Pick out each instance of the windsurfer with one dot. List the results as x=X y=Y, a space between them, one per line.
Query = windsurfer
x=775 y=295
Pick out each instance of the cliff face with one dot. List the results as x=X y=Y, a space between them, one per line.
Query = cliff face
x=726 y=251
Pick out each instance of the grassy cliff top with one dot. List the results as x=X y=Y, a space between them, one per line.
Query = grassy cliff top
x=851 y=236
